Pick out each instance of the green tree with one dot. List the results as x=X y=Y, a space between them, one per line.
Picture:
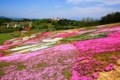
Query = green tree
x=2 y=21
x=110 y=18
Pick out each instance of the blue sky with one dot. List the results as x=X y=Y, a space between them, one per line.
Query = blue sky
x=71 y=9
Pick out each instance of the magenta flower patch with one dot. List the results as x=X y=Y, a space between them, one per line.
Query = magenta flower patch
x=109 y=67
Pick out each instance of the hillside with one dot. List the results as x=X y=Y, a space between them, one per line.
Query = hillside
x=76 y=54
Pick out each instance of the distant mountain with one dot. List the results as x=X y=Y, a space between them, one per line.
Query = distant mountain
x=76 y=18
x=17 y=19
x=3 y=17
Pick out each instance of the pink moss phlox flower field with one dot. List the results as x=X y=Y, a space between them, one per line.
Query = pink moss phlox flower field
x=9 y=41
x=91 y=47
x=114 y=35
x=48 y=64
x=79 y=71
x=98 y=45
x=73 y=61
x=110 y=29
x=83 y=67
x=45 y=34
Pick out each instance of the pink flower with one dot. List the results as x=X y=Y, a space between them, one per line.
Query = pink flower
x=64 y=35
x=45 y=34
x=98 y=69
x=1 y=55
x=80 y=58
x=109 y=67
x=114 y=58
x=98 y=45
x=114 y=35
x=95 y=75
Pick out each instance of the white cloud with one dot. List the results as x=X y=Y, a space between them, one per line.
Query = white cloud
x=75 y=1
x=93 y=12
x=106 y=2
x=57 y=6
x=97 y=10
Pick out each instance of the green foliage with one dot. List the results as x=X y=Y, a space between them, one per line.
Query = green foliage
x=3 y=20
x=43 y=30
x=30 y=32
x=64 y=22
x=37 y=22
x=20 y=66
x=4 y=64
x=107 y=57
x=6 y=31
x=42 y=65
x=4 y=37
x=2 y=73
x=44 y=27
x=85 y=36
x=110 y=18
x=16 y=34
x=67 y=74
x=58 y=27
x=7 y=36
x=54 y=22
x=87 y=22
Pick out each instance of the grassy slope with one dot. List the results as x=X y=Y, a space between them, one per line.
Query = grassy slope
x=7 y=36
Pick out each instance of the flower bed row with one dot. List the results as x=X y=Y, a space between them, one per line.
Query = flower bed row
x=98 y=45
x=31 y=48
x=114 y=35
x=64 y=35
x=85 y=36
x=110 y=29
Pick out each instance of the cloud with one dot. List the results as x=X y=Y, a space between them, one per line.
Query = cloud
x=75 y=1
x=105 y=2
x=93 y=8
x=93 y=12
x=57 y=6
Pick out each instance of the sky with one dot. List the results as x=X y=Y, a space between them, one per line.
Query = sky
x=71 y=9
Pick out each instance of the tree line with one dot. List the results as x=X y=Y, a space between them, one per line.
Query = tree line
x=110 y=18
x=63 y=24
